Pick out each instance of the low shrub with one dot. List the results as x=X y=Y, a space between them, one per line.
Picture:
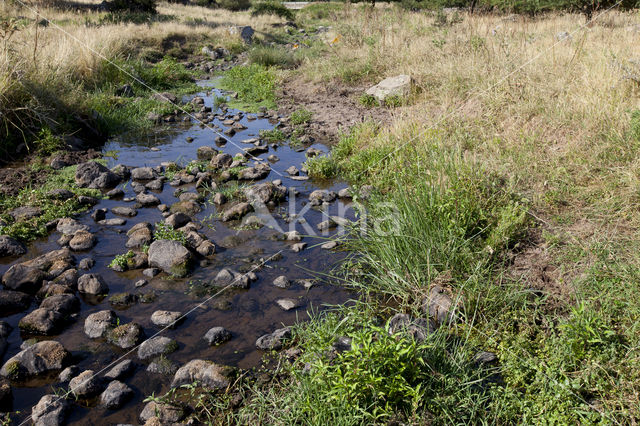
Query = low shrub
x=273 y=56
x=272 y=8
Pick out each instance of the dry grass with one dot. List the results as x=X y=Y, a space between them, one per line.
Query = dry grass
x=544 y=111
x=45 y=66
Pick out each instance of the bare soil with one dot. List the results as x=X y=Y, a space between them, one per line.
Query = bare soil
x=335 y=107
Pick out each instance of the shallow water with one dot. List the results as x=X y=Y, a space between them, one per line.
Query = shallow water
x=248 y=314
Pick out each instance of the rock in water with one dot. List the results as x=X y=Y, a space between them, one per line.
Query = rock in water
x=11 y=247
x=116 y=394
x=51 y=410
x=206 y=373
x=38 y=358
x=96 y=176
x=170 y=256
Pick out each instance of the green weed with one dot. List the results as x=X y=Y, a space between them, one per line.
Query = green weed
x=163 y=231
x=300 y=116
x=255 y=85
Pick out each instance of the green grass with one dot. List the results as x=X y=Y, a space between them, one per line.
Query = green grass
x=30 y=229
x=300 y=116
x=321 y=167
x=255 y=85
x=273 y=57
x=273 y=135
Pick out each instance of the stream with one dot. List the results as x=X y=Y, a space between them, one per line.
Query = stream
x=246 y=313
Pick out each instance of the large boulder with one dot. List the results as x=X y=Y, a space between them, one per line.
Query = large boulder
x=206 y=373
x=96 y=176
x=39 y=358
x=229 y=278
x=399 y=85
x=66 y=304
x=170 y=256
x=260 y=171
x=11 y=247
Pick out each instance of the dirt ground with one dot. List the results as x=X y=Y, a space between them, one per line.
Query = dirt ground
x=335 y=108
x=15 y=177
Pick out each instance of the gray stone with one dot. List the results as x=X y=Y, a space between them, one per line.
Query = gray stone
x=188 y=207
x=86 y=385
x=115 y=395
x=230 y=278
x=12 y=302
x=68 y=373
x=329 y=245
x=206 y=153
x=99 y=323
x=287 y=304
x=265 y=192
x=25 y=212
x=92 y=284
x=177 y=220
x=260 y=171
x=51 y=410
x=217 y=335
x=166 y=318
x=66 y=304
x=418 y=328
x=82 y=240
x=126 y=336
x=69 y=226
x=151 y=272
x=170 y=256
x=124 y=211
x=221 y=161
x=399 y=85
x=95 y=175
x=275 y=340
x=282 y=282
x=156 y=346
x=439 y=306
x=86 y=263
x=298 y=247
x=116 y=221
x=39 y=358
x=147 y=200
x=11 y=247
x=121 y=370
x=139 y=235
x=236 y=212
x=165 y=413
x=206 y=373
x=42 y=321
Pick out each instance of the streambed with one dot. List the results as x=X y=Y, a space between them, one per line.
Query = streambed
x=246 y=313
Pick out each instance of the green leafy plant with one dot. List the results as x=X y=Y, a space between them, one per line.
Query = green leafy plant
x=166 y=232
x=255 y=85
x=121 y=261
